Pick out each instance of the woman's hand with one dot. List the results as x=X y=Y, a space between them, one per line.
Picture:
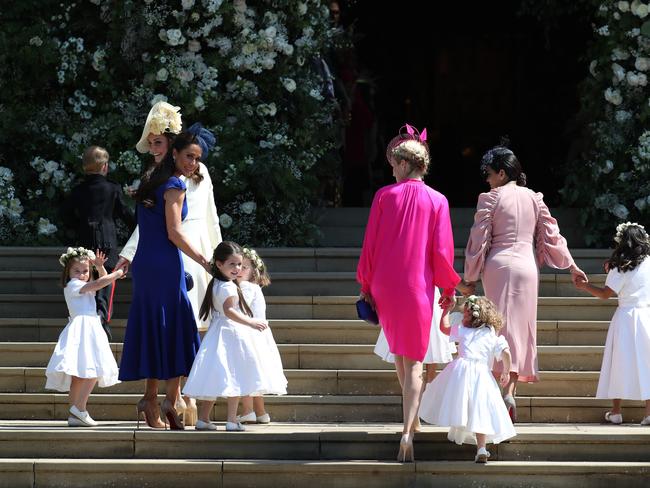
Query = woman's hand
x=368 y=298
x=447 y=302
x=122 y=264
x=577 y=275
x=466 y=288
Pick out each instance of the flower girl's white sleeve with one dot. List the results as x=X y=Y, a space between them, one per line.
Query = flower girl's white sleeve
x=259 y=304
x=72 y=288
x=500 y=345
x=226 y=290
x=615 y=280
x=131 y=246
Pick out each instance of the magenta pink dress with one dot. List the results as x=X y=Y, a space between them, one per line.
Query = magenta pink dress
x=512 y=237
x=407 y=250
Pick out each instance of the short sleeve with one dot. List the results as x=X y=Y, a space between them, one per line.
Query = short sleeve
x=259 y=303
x=615 y=280
x=480 y=235
x=73 y=287
x=226 y=290
x=500 y=345
x=174 y=183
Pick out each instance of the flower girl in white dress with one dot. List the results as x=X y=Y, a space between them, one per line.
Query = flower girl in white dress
x=465 y=395
x=82 y=356
x=227 y=364
x=252 y=277
x=625 y=372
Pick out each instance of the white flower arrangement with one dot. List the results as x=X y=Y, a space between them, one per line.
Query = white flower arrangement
x=472 y=300
x=75 y=253
x=255 y=259
x=620 y=229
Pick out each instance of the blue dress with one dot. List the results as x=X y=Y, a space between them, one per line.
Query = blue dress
x=161 y=338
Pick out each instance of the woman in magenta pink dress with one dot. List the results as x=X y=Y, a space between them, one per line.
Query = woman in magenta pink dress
x=407 y=250
x=512 y=237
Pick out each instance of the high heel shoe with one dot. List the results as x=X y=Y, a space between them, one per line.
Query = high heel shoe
x=190 y=412
x=406 y=454
x=170 y=415
x=149 y=407
x=511 y=405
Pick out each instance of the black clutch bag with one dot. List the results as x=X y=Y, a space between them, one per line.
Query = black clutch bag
x=189 y=281
x=365 y=312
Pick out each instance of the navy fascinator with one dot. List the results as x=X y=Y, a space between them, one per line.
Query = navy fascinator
x=204 y=138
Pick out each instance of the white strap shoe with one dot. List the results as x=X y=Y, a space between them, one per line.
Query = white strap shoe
x=264 y=419
x=235 y=427
x=482 y=456
x=614 y=418
x=201 y=425
x=646 y=420
x=84 y=417
x=249 y=418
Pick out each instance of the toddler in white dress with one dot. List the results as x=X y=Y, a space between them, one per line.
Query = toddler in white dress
x=82 y=356
x=625 y=372
x=465 y=396
x=251 y=279
x=227 y=363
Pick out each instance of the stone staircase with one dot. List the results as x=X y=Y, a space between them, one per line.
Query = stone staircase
x=339 y=424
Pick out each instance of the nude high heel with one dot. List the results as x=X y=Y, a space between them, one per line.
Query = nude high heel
x=170 y=415
x=149 y=407
x=511 y=405
x=406 y=453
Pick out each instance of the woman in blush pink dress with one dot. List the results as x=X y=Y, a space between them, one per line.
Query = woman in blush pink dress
x=408 y=249
x=512 y=237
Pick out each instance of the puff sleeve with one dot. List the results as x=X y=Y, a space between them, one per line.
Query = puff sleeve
x=480 y=235
x=174 y=183
x=615 y=280
x=500 y=345
x=550 y=247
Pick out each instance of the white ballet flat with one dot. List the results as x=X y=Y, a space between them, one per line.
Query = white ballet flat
x=482 y=456
x=646 y=420
x=614 y=418
x=249 y=418
x=83 y=417
x=263 y=419
x=235 y=427
x=201 y=425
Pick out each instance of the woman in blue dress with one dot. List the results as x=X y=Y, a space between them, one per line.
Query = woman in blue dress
x=161 y=337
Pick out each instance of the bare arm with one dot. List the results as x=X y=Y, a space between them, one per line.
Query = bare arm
x=173 y=209
x=507 y=362
x=100 y=283
x=230 y=310
x=603 y=292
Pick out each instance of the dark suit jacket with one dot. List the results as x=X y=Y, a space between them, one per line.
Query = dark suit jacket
x=91 y=208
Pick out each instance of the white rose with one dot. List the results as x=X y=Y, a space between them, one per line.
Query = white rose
x=162 y=74
x=632 y=78
x=619 y=72
x=194 y=46
x=641 y=9
x=199 y=103
x=642 y=80
x=624 y=6
x=45 y=227
x=302 y=8
x=225 y=220
x=642 y=64
x=289 y=84
x=248 y=207
x=613 y=96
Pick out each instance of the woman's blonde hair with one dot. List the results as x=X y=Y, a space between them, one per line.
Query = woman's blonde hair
x=415 y=153
x=483 y=312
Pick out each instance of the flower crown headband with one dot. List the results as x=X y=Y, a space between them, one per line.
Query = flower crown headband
x=76 y=253
x=620 y=228
x=254 y=257
x=472 y=302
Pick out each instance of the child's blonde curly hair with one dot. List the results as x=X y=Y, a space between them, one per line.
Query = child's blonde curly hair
x=483 y=312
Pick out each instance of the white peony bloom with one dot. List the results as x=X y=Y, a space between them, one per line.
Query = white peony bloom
x=302 y=8
x=225 y=220
x=642 y=64
x=45 y=227
x=613 y=96
x=193 y=46
x=289 y=84
x=162 y=74
x=639 y=9
x=620 y=211
x=158 y=97
x=187 y=4
x=624 y=6
x=248 y=207
x=199 y=103
x=619 y=72
x=603 y=31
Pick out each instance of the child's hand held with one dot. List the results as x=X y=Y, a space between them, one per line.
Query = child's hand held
x=259 y=324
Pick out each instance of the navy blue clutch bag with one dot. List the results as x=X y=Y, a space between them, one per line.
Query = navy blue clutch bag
x=365 y=312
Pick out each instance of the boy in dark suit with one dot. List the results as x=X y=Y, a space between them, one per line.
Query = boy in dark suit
x=90 y=209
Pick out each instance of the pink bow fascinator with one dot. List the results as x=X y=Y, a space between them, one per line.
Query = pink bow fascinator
x=407 y=132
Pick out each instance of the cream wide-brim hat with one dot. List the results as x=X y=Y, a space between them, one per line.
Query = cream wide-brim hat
x=163 y=117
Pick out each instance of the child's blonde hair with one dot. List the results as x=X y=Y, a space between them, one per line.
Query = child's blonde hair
x=483 y=312
x=94 y=158
x=259 y=273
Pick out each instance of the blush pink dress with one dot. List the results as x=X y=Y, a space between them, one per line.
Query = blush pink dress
x=512 y=237
x=407 y=250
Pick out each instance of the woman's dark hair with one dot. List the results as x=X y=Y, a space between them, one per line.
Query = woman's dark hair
x=502 y=158
x=148 y=171
x=221 y=253
x=631 y=249
x=166 y=168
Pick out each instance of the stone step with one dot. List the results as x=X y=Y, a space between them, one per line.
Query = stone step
x=17 y=379
x=312 y=331
x=299 y=441
x=293 y=259
x=307 y=307
x=84 y=473
x=323 y=356
x=313 y=408
x=284 y=284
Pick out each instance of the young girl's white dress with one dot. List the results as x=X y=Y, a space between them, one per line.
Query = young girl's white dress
x=82 y=349
x=465 y=396
x=227 y=364
x=263 y=341
x=625 y=372
x=440 y=350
